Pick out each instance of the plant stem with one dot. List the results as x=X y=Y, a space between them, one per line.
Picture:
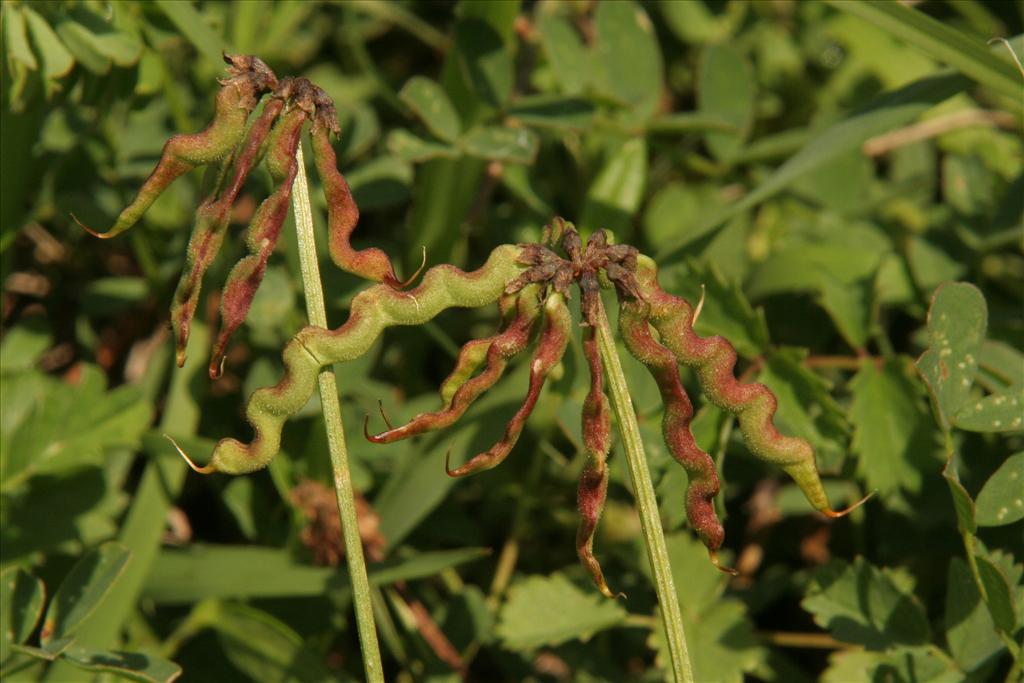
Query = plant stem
x=335 y=432
x=650 y=522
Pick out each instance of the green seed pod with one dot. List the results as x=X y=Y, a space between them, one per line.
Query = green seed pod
x=248 y=79
x=372 y=311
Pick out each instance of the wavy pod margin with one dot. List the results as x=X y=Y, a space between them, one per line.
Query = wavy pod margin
x=372 y=311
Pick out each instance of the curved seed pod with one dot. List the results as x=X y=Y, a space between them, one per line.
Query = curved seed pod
x=343 y=216
x=211 y=224
x=550 y=348
x=702 y=485
x=264 y=230
x=248 y=79
x=593 y=486
x=713 y=358
x=372 y=311
x=500 y=348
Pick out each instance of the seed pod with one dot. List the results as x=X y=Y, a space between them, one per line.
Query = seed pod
x=211 y=224
x=343 y=215
x=593 y=486
x=713 y=358
x=702 y=485
x=550 y=348
x=500 y=348
x=238 y=96
x=372 y=311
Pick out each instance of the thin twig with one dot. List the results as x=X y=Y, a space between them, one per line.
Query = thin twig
x=650 y=522
x=335 y=432
x=882 y=144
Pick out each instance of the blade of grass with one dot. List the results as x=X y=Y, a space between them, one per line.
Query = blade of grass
x=959 y=50
x=362 y=597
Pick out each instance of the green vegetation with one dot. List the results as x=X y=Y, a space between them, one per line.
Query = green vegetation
x=840 y=186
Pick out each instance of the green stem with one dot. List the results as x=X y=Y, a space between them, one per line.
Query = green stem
x=335 y=432
x=650 y=522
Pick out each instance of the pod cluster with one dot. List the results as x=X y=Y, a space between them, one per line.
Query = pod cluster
x=531 y=284
x=237 y=140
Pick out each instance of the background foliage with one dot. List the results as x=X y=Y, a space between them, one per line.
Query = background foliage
x=817 y=169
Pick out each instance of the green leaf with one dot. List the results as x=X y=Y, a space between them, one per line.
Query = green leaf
x=998 y=598
x=889 y=427
x=806 y=407
x=565 y=51
x=628 y=54
x=941 y=41
x=83 y=589
x=726 y=310
x=82 y=44
x=963 y=505
x=408 y=147
x=107 y=295
x=549 y=610
x=726 y=91
x=485 y=61
x=193 y=26
x=1001 y=500
x=21 y=604
x=259 y=644
x=970 y=631
x=889 y=111
x=57 y=61
x=900 y=665
x=553 y=111
x=135 y=666
x=721 y=643
x=852 y=307
x=22 y=345
x=699 y=583
x=16 y=38
x=957 y=320
x=1001 y=364
x=211 y=571
x=430 y=103
x=690 y=122
x=380 y=183
x=614 y=196
x=996 y=413
x=515 y=145
x=859 y=603
x=806 y=267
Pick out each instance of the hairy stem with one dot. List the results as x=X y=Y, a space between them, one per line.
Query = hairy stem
x=650 y=522
x=335 y=432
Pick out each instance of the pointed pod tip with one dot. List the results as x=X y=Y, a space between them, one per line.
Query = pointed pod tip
x=95 y=233
x=216 y=369
x=835 y=514
x=713 y=555
x=208 y=469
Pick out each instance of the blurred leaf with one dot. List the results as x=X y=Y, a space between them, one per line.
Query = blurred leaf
x=805 y=267
x=408 y=147
x=997 y=595
x=565 y=51
x=806 y=408
x=903 y=664
x=430 y=103
x=887 y=112
x=485 y=61
x=108 y=295
x=83 y=589
x=211 y=571
x=721 y=643
x=889 y=427
x=970 y=630
x=57 y=61
x=193 y=26
x=861 y=604
x=21 y=604
x=996 y=413
x=614 y=196
x=628 y=54
x=516 y=145
x=1001 y=362
x=553 y=111
x=941 y=41
x=851 y=305
x=380 y=183
x=1001 y=499
x=549 y=610
x=22 y=345
x=690 y=122
x=134 y=666
x=16 y=38
x=693 y=22
x=957 y=319
x=726 y=91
